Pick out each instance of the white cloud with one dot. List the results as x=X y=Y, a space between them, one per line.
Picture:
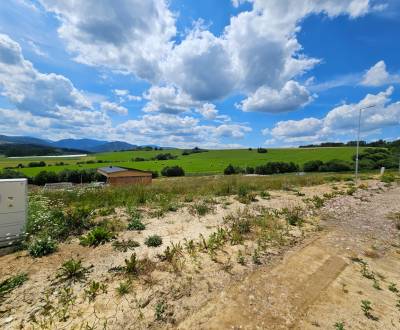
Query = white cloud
x=257 y=52
x=128 y=35
x=342 y=120
x=113 y=107
x=265 y=99
x=208 y=111
x=377 y=75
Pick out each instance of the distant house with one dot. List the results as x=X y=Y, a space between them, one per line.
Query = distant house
x=117 y=176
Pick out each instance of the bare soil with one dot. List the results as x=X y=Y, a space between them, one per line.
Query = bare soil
x=312 y=281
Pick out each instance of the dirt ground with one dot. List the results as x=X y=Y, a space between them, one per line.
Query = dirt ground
x=312 y=282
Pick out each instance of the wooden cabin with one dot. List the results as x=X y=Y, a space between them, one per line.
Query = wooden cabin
x=118 y=176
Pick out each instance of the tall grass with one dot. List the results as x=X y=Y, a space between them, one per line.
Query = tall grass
x=171 y=190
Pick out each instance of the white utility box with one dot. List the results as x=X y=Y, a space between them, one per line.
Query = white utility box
x=13 y=210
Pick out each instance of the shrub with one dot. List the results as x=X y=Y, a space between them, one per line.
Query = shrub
x=276 y=168
x=165 y=156
x=42 y=247
x=44 y=177
x=312 y=165
x=37 y=164
x=11 y=283
x=230 y=169
x=172 y=171
x=262 y=150
x=98 y=235
x=11 y=174
x=136 y=224
x=154 y=174
x=336 y=165
x=153 y=241
x=249 y=170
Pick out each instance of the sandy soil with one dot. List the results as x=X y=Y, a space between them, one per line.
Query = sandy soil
x=310 y=282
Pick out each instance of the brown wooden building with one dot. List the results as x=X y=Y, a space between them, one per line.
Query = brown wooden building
x=117 y=176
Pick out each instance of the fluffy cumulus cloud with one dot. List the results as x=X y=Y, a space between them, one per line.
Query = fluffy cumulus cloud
x=378 y=112
x=257 y=53
x=378 y=75
x=124 y=35
x=45 y=95
x=113 y=108
x=181 y=131
x=265 y=99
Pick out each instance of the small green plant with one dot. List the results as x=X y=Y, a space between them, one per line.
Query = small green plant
x=132 y=265
x=265 y=195
x=376 y=284
x=367 y=309
x=240 y=258
x=190 y=247
x=388 y=178
x=153 y=241
x=366 y=272
x=98 y=235
x=124 y=288
x=94 y=289
x=256 y=257
x=160 y=310
x=125 y=245
x=317 y=201
x=72 y=271
x=136 y=224
x=339 y=326
x=42 y=247
x=11 y=283
x=293 y=216
x=393 y=288
x=351 y=191
x=200 y=208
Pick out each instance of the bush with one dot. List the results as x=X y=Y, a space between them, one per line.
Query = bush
x=44 y=177
x=154 y=174
x=11 y=283
x=166 y=156
x=262 y=150
x=10 y=174
x=312 y=165
x=249 y=170
x=230 y=169
x=37 y=164
x=172 y=171
x=42 y=247
x=98 y=235
x=336 y=165
x=276 y=168
x=153 y=241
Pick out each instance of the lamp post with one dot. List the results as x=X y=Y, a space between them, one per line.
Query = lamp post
x=358 y=139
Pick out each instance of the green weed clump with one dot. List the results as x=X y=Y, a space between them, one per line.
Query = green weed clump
x=153 y=241
x=200 y=208
x=11 y=283
x=94 y=289
x=136 y=224
x=42 y=247
x=293 y=216
x=124 y=288
x=98 y=235
x=72 y=271
x=125 y=245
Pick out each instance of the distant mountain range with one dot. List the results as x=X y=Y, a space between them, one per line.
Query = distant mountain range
x=88 y=145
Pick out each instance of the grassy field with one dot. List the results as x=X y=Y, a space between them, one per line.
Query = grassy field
x=211 y=162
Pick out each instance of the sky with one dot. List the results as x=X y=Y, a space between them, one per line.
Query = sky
x=210 y=73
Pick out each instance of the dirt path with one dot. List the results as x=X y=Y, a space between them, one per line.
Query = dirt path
x=319 y=284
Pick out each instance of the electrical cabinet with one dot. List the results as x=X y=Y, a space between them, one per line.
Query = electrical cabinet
x=13 y=210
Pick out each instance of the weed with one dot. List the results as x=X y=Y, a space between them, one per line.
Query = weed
x=393 y=288
x=104 y=211
x=388 y=178
x=136 y=224
x=293 y=216
x=366 y=308
x=240 y=258
x=265 y=195
x=132 y=265
x=11 y=283
x=94 y=289
x=160 y=309
x=339 y=326
x=190 y=247
x=72 y=271
x=256 y=257
x=351 y=191
x=376 y=285
x=98 y=235
x=42 y=247
x=366 y=272
x=200 y=209
x=153 y=241
x=124 y=288
x=125 y=245
x=317 y=201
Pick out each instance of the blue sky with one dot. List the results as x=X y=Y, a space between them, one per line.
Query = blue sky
x=216 y=74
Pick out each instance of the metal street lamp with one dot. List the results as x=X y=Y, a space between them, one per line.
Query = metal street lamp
x=358 y=138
